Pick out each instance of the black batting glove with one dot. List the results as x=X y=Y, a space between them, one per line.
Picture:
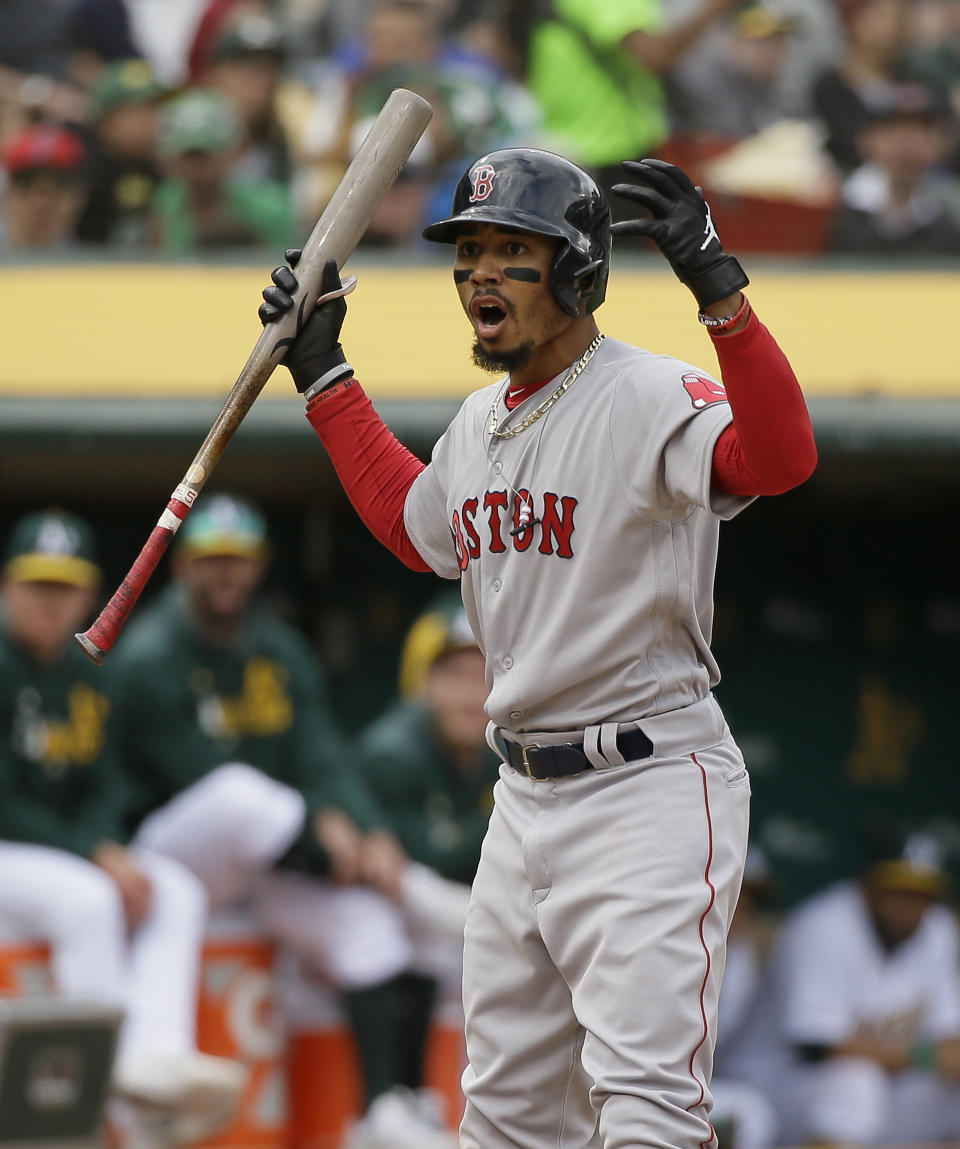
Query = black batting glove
x=681 y=226
x=314 y=356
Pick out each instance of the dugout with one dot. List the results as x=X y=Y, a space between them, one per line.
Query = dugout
x=838 y=607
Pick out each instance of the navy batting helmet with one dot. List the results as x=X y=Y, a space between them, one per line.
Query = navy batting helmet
x=543 y=193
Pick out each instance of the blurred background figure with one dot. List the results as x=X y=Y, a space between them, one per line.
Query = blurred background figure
x=201 y=204
x=44 y=167
x=243 y=49
x=124 y=926
x=739 y=103
x=122 y=169
x=902 y=200
x=844 y=93
x=864 y=1001
x=428 y=764
x=476 y=109
x=815 y=41
x=245 y=63
x=743 y=91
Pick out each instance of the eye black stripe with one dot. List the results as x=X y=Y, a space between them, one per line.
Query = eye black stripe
x=461 y=275
x=527 y=274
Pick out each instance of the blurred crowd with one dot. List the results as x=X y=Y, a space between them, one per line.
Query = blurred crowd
x=195 y=125
x=202 y=768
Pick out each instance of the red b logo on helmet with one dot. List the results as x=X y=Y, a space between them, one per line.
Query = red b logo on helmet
x=482 y=179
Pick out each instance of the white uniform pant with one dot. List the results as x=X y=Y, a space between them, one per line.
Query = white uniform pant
x=230 y=827
x=594 y=953
x=76 y=908
x=852 y=1100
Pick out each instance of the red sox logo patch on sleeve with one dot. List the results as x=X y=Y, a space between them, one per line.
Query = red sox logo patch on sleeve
x=703 y=391
x=482 y=180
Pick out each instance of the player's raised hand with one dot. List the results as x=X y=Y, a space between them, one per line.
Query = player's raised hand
x=314 y=357
x=680 y=224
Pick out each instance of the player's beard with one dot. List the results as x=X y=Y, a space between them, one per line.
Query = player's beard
x=496 y=362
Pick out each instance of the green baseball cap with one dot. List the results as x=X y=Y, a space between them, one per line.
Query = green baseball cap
x=122 y=83
x=198 y=120
x=52 y=546
x=223 y=525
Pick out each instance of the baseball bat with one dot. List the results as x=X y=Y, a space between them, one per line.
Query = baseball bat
x=373 y=171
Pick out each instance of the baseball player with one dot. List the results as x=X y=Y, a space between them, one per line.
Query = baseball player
x=857 y=1035
x=578 y=499
x=428 y=763
x=238 y=770
x=123 y=925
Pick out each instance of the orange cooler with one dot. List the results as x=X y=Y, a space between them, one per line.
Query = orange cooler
x=237 y=1017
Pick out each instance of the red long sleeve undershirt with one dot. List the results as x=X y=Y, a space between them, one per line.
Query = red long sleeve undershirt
x=767 y=449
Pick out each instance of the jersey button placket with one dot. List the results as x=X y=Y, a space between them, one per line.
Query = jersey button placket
x=507 y=662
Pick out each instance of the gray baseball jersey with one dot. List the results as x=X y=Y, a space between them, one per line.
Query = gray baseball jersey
x=600 y=609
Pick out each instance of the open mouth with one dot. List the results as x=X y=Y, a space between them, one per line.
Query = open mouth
x=488 y=316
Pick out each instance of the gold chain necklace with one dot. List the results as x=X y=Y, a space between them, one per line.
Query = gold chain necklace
x=499 y=433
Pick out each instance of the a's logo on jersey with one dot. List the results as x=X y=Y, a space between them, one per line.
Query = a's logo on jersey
x=703 y=391
x=482 y=179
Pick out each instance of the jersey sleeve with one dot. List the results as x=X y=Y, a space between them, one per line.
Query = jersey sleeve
x=664 y=427
x=816 y=985
x=769 y=448
x=425 y=510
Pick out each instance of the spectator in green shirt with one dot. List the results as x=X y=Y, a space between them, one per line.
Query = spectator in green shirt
x=124 y=926
x=202 y=204
x=597 y=71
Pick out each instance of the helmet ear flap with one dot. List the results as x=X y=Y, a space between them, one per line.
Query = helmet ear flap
x=562 y=282
x=585 y=281
x=578 y=288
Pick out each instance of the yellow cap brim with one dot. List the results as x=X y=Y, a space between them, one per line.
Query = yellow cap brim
x=232 y=548
x=53 y=568
x=898 y=875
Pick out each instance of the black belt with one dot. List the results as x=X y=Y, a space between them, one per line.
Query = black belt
x=545 y=762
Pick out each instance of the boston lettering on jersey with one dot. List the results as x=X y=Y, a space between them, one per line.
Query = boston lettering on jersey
x=500 y=521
